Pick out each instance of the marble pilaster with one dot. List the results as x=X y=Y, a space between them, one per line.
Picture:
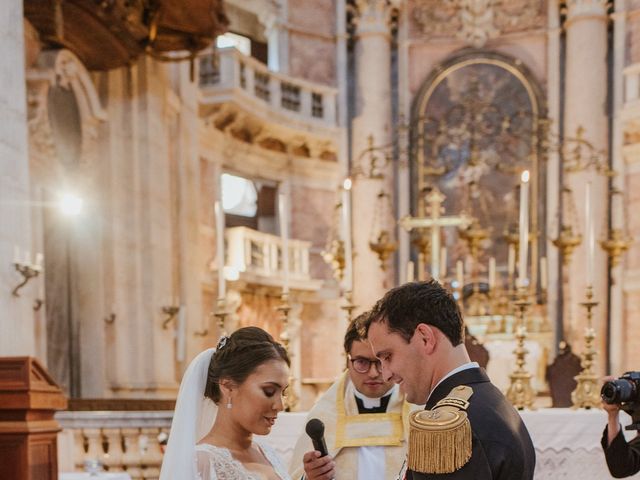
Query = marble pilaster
x=17 y=319
x=585 y=106
x=372 y=116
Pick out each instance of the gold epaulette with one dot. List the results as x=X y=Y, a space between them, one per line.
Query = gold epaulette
x=440 y=439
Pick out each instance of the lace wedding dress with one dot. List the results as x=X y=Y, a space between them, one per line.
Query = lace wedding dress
x=215 y=463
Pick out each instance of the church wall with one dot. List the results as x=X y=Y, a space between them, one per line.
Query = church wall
x=311 y=40
x=17 y=319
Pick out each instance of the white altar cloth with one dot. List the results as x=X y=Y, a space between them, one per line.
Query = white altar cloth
x=95 y=476
x=567 y=442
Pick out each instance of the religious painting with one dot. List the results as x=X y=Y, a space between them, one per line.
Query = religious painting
x=475 y=128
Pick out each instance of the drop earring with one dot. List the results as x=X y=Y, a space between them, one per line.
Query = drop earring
x=229 y=403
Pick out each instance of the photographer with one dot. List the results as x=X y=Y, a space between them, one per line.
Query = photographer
x=623 y=459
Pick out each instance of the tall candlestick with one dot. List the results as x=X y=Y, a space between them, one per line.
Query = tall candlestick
x=219 y=213
x=492 y=272
x=443 y=262
x=410 y=271
x=181 y=344
x=283 y=214
x=524 y=229
x=543 y=273
x=511 y=260
x=460 y=273
x=346 y=232
x=588 y=222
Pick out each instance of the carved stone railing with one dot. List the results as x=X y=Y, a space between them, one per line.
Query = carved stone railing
x=632 y=85
x=120 y=441
x=227 y=73
x=257 y=256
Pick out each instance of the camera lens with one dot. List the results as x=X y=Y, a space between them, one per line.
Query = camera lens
x=618 y=391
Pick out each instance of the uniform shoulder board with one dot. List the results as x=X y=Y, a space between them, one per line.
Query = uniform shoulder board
x=440 y=439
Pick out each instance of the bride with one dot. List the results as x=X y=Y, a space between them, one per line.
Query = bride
x=245 y=376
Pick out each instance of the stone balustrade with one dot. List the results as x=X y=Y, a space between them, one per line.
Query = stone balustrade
x=120 y=441
x=632 y=85
x=227 y=73
x=256 y=255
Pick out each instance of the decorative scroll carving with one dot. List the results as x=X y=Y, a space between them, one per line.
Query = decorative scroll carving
x=476 y=21
x=61 y=68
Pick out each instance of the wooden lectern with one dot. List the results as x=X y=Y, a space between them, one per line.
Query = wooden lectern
x=28 y=400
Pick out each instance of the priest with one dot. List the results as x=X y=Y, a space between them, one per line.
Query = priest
x=364 y=418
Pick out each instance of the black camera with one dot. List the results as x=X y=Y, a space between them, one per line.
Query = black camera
x=625 y=391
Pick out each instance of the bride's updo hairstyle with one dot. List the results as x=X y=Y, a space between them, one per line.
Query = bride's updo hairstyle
x=238 y=355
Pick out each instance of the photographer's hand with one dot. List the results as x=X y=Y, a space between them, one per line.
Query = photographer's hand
x=613 y=421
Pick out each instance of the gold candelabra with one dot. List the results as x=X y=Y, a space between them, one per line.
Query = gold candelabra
x=567 y=241
x=221 y=314
x=617 y=243
x=474 y=235
x=284 y=308
x=383 y=246
x=334 y=256
x=348 y=307
x=521 y=394
x=586 y=394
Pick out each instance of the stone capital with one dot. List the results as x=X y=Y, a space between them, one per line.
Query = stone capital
x=373 y=17
x=583 y=9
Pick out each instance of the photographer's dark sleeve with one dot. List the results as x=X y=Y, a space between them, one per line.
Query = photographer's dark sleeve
x=623 y=459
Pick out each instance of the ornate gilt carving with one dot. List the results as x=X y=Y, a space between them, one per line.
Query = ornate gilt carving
x=476 y=21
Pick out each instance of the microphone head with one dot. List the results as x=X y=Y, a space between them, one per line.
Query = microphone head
x=315 y=428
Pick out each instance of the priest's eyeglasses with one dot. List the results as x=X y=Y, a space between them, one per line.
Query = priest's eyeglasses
x=363 y=365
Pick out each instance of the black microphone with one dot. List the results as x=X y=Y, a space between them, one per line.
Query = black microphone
x=315 y=430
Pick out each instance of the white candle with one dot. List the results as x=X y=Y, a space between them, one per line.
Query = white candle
x=181 y=346
x=460 y=273
x=511 y=260
x=588 y=222
x=16 y=254
x=219 y=213
x=443 y=262
x=39 y=260
x=346 y=233
x=27 y=258
x=543 y=273
x=492 y=272
x=284 y=236
x=410 y=271
x=524 y=229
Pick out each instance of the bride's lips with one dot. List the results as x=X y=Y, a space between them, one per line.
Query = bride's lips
x=270 y=420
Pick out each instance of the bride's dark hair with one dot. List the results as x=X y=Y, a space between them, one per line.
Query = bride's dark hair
x=238 y=355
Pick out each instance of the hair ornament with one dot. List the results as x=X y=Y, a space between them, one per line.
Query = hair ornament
x=222 y=342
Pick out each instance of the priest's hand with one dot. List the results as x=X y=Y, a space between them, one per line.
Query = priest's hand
x=317 y=467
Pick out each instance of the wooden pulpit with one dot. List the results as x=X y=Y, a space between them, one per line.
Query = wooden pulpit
x=28 y=400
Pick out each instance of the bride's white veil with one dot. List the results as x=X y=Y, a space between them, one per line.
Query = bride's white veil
x=192 y=419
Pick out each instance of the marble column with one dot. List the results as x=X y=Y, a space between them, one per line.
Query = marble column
x=585 y=106
x=17 y=319
x=616 y=312
x=553 y=164
x=372 y=116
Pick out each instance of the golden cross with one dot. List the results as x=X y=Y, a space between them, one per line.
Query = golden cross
x=435 y=220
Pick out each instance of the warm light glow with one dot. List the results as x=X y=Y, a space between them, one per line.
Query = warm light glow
x=347 y=183
x=525 y=176
x=239 y=196
x=70 y=204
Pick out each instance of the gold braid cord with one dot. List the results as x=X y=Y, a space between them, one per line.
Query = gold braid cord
x=440 y=440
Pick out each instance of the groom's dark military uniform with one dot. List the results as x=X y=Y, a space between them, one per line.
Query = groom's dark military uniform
x=501 y=446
